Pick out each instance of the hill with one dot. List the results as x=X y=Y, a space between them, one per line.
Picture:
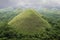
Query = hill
x=29 y=22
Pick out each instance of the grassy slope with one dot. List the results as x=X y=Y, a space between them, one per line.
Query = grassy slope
x=29 y=22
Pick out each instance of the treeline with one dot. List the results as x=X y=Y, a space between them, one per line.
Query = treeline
x=9 y=33
x=53 y=17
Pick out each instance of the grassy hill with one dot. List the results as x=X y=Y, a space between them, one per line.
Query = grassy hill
x=29 y=22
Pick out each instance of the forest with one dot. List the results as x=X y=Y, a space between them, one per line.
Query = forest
x=14 y=26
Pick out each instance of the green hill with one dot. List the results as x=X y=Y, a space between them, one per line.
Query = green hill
x=29 y=22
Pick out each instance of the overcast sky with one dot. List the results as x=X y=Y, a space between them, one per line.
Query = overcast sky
x=29 y=3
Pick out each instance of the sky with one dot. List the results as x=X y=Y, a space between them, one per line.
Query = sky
x=29 y=3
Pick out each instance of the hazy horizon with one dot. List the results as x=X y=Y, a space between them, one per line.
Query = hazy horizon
x=30 y=3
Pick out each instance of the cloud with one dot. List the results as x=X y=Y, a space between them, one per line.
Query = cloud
x=35 y=2
x=30 y=3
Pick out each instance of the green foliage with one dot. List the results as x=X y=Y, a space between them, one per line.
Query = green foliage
x=9 y=33
x=8 y=14
x=6 y=32
x=53 y=17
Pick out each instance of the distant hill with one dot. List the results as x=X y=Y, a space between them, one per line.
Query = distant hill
x=29 y=22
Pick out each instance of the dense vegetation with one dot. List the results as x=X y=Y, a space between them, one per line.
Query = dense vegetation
x=7 y=14
x=53 y=17
x=7 y=32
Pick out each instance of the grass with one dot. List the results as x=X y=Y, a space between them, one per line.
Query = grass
x=29 y=22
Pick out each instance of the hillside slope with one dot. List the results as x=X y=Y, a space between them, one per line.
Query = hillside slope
x=29 y=22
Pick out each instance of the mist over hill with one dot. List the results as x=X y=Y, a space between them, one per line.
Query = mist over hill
x=30 y=4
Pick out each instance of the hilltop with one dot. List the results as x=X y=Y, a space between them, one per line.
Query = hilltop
x=29 y=22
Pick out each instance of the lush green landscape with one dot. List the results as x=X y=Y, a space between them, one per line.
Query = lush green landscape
x=29 y=24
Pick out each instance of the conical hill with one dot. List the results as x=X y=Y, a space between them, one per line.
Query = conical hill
x=29 y=22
